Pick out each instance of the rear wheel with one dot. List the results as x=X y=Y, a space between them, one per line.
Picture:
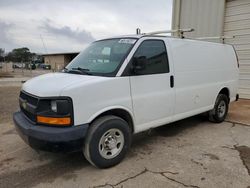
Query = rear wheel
x=219 y=112
x=107 y=141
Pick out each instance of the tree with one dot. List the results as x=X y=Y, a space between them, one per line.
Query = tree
x=1 y=54
x=20 y=55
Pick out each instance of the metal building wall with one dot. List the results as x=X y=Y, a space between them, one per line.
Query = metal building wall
x=218 y=18
x=237 y=23
x=56 y=61
x=205 y=16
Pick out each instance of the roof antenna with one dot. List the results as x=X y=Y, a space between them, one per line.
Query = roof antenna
x=138 y=31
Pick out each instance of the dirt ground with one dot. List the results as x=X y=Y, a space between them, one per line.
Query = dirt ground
x=23 y=73
x=8 y=102
x=240 y=112
x=189 y=153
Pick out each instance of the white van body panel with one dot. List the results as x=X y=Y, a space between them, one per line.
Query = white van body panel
x=200 y=70
x=52 y=84
x=90 y=99
x=152 y=95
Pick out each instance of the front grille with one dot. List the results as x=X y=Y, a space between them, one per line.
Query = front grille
x=29 y=98
x=28 y=105
x=29 y=115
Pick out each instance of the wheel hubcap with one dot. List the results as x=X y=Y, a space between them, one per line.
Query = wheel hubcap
x=111 y=143
x=221 y=109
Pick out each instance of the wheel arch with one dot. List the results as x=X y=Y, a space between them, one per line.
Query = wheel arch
x=121 y=112
x=225 y=91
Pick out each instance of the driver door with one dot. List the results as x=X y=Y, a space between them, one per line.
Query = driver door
x=152 y=92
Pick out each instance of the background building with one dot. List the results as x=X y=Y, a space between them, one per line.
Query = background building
x=59 y=60
x=212 y=18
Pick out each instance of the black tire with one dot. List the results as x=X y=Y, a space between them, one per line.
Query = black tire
x=216 y=115
x=96 y=132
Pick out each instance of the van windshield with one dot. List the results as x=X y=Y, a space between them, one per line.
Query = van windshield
x=102 y=58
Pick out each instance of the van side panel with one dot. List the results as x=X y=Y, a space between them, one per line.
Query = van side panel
x=201 y=69
x=94 y=98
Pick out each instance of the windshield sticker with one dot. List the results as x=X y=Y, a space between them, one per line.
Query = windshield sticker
x=127 y=41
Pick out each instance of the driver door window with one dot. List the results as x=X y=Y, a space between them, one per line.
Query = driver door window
x=155 y=55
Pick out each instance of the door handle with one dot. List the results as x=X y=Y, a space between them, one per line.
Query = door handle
x=171 y=81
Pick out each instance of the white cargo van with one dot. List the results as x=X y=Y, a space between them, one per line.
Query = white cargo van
x=124 y=85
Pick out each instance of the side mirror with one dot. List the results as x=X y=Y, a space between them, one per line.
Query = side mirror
x=139 y=64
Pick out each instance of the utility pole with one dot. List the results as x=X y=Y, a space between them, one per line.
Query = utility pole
x=45 y=49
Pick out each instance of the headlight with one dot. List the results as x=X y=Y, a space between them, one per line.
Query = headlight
x=61 y=107
x=55 y=111
x=53 y=106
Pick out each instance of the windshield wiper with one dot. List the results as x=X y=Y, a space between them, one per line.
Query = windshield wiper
x=81 y=69
x=78 y=70
x=65 y=69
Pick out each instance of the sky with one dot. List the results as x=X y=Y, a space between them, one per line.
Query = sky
x=53 y=26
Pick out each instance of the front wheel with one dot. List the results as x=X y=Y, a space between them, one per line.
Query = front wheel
x=219 y=112
x=107 y=141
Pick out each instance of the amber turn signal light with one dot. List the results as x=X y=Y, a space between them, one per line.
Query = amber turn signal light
x=64 y=121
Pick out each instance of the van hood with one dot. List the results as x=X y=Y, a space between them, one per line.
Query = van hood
x=52 y=84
